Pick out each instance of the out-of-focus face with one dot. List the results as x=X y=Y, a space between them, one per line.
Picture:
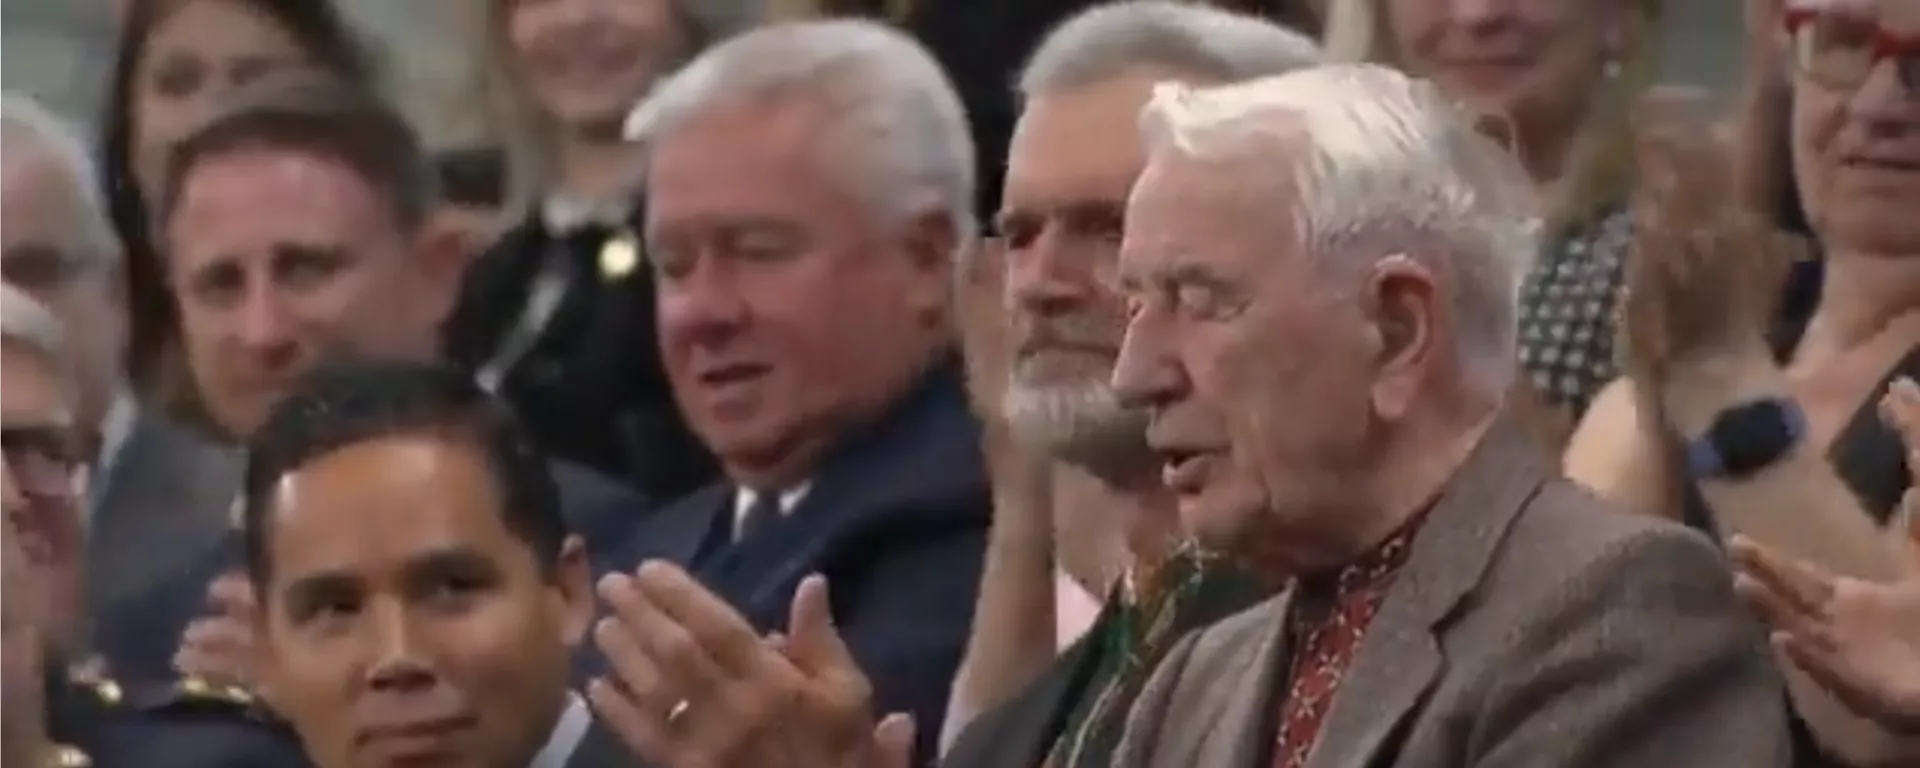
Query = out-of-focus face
x=1256 y=378
x=41 y=455
x=1061 y=218
x=587 y=62
x=405 y=623
x=278 y=259
x=198 y=53
x=1856 y=123
x=788 y=311
x=46 y=251
x=1537 y=62
x=22 y=646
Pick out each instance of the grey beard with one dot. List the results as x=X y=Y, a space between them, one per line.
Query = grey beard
x=1084 y=426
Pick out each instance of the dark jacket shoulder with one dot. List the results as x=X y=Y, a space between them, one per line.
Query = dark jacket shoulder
x=184 y=723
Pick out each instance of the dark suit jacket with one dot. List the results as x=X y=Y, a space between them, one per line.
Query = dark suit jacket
x=139 y=635
x=600 y=749
x=896 y=520
x=162 y=498
x=1532 y=625
x=591 y=387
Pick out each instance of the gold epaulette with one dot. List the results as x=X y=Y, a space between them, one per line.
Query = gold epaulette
x=198 y=689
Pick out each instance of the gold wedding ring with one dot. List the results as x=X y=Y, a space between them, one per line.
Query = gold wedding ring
x=678 y=711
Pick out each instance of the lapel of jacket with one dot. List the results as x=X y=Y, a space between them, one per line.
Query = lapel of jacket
x=1245 y=701
x=1400 y=658
x=680 y=530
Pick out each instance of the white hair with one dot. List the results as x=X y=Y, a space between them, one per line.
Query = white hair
x=897 y=121
x=1109 y=40
x=30 y=127
x=1391 y=168
x=28 y=323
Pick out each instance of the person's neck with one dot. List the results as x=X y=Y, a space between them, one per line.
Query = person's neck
x=1541 y=145
x=1411 y=468
x=594 y=167
x=1861 y=296
x=1133 y=521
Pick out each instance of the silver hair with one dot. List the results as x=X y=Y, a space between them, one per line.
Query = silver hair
x=1202 y=41
x=898 y=123
x=29 y=323
x=1391 y=169
x=28 y=126
x=1085 y=424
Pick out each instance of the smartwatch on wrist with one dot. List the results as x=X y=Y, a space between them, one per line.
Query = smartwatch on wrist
x=1747 y=438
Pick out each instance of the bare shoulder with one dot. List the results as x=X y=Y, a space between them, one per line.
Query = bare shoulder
x=1611 y=453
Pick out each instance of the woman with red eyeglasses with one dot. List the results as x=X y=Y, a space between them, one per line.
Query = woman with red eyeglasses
x=1742 y=422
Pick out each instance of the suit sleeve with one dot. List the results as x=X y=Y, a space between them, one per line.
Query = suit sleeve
x=908 y=623
x=1642 y=658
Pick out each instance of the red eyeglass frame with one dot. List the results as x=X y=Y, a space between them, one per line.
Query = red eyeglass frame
x=1886 y=45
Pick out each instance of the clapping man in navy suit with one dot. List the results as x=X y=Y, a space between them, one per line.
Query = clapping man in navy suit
x=809 y=186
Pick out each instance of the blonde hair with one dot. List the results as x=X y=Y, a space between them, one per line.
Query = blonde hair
x=1599 y=169
x=510 y=117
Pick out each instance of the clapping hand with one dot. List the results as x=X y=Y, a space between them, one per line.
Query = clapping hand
x=219 y=647
x=1704 y=280
x=693 y=685
x=1858 y=639
x=1900 y=409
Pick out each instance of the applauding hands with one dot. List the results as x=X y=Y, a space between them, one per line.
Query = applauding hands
x=692 y=685
x=1859 y=639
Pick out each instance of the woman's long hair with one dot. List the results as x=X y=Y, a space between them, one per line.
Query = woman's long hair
x=515 y=122
x=1600 y=165
x=154 y=362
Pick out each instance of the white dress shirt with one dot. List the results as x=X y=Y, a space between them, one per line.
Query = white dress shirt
x=744 y=498
x=567 y=733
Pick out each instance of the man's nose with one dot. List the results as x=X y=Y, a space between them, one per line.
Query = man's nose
x=266 y=324
x=1050 y=275
x=397 y=661
x=703 y=303
x=1144 y=375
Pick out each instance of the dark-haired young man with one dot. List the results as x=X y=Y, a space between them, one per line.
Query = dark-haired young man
x=419 y=592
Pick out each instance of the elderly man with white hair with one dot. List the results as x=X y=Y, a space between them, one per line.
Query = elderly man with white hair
x=155 y=492
x=1320 y=270
x=808 y=188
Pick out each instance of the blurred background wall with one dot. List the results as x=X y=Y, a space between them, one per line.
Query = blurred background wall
x=60 y=50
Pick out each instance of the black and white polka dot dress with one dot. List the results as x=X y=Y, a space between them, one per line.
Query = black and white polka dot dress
x=1567 y=310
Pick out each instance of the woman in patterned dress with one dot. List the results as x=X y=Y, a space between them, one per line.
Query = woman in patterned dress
x=1558 y=79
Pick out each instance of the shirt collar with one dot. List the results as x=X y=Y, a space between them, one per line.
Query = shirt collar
x=568 y=730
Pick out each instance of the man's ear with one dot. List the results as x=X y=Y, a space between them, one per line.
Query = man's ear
x=573 y=585
x=932 y=243
x=1403 y=304
x=445 y=250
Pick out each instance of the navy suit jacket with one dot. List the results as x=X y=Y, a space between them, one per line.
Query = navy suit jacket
x=895 y=519
x=139 y=635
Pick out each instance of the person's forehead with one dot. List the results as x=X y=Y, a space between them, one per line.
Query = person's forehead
x=30 y=391
x=37 y=194
x=258 y=197
x=381 y=500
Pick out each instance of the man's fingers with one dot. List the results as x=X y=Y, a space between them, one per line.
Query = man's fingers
x=720 y=631
x=232 y=594
x=893 y=742
x=641 y=730
x=815 y=643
